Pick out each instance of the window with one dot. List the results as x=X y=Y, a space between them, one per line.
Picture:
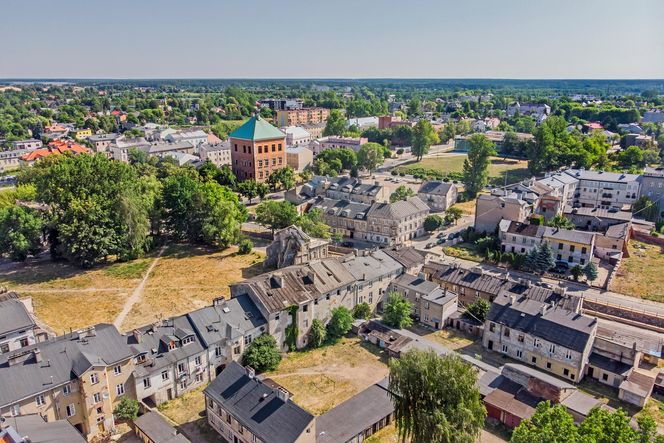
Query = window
x=568 y=354
x=236 y=350
x=197 y=361
x=229 y=419
x=584 y=250
x=217 y=351
x=199 y=378
x=147 y=383
x=40 y=400
x=506 y=332
x=566 y=372
x=537 y=343
x=165 y=375
x=492 y=327
x=4 y=348
x=571 y=248
x=181 y=368
x=519 y=353
x=66 y=389
x=534 y=360
x=605 y=376
x=305 y=308
x=100 y=410
x=187 y=340
x=96 y=397
x=560 y=246
x=548 y=365
x=24 y=342
x=505 y=349
x=552 y=348
x=71 y=410
x=119 y=389
x=520 y=338
x=273 y=148
x=183 y=384
x=15 y=410
x=171 y=346
x=94 y=379
x=117 y=370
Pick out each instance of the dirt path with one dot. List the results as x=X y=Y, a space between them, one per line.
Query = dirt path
x=137 y=293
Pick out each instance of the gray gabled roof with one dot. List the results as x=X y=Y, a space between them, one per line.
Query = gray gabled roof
x=13 y=315
x=40 y=431
x=437 y=187
x=158 y=429
x=370 y=266
x=257 y=406
x=398 y=210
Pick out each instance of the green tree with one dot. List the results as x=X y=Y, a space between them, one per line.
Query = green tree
x=262 y=189
x=340 y=323
x=549 y=424
x=590 y=271
x=362 y=310
x=576 y=271
x=453 y=214
x=313 y=224
x=544 y=260
x=262 y=354
x=20 y=232
x=423 y=137
x=225 y=177
x=248 y=189
x=403 y=192
x=283 y=178
x=479 y=309
x=476 y=165
x=603 y=426
x=317 y=334
x=646 y=208
x=561 y=222
x=398 y=310
x=433 y=222
x=631 y=157
x=245 y=246
x=276 y=214
x=430 y=409
x=126 y=409
x=370 y=156
x=336 y=123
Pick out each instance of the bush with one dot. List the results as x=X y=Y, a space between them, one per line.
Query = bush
x=394 y=172
x=317 y=334
x=262 y=354
x=245 y=246
x=399 y=151
x=127 y=409
x=402 y=174
x=340 y=324
x=433 y=222
x=362 y=310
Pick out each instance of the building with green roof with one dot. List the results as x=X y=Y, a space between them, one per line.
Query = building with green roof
x=257 y=150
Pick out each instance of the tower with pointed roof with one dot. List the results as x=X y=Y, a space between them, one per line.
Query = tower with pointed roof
x=257 y=149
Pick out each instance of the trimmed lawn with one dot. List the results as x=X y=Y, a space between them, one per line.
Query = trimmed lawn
x=640 y=274
x=322 y=378
x=516 y=170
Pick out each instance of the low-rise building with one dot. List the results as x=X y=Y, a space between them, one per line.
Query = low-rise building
x=33 y=428
x=102 y=142
x=292 y=246
x=29 y=145
x=299 y=158
x=490 y=209
x=296 y=136
x=652 y=185
x=242 y=408
x=218 y=153
x=56 y=147
x=17 y=327
x=432 y=305
x=335 y=142
x=596 y=219
x=153 y=428
x=10 y=160
x=542 y=334
x=606 y=190
x=196 y=137
x=80 y=133
x=438 y=195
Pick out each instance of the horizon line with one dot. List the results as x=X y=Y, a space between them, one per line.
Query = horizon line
x=8 y=79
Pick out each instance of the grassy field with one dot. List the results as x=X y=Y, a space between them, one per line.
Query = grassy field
x=468 y=207
x=186 y=277
x=515 y=170
x=466 y=251
x=322 y=378
x=640 y=274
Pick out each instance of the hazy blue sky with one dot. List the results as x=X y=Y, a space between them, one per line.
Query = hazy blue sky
x=332 y=38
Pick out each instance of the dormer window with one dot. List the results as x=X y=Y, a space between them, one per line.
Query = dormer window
x=171 y=345
x=187 y=340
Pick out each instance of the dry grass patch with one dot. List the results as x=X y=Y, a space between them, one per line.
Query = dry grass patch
x=450 y=339
x=468 y=207
x=515 y=170
x=189 y=277
x=63 y=310
x=640 y=274
x=322 y=378
x=186 y=408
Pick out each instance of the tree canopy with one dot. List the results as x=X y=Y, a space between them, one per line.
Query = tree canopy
x=370 y=156
x=398 y=310
x=476 y=165
x=403 y=192
x=423 y=137
x=262 y=354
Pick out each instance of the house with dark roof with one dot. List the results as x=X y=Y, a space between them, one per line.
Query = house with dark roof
x=540 y=333
x=410 y=258
x=438 y=195
x=432 y=305
x=78 y=376
x=17 y=327
x=390 y=224
x=242 y=408
x=33 y=428
x=169 y=358
x=153 y=428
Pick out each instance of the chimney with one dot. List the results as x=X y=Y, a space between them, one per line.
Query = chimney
x=283 y=394
x=543 y=309
x=512 y=299
x=37 y=354
x=229 y=330
x=137 y=335
x=250 y=372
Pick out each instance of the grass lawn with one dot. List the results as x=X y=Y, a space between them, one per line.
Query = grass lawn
x=466 y=251
x=468 y=207
x=189 y=277
x=516 y=170
x=640 y=274
x=188 y=414
x=322 y=378
x=186 y=277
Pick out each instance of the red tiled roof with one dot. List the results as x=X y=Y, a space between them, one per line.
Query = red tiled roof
x=56 y=147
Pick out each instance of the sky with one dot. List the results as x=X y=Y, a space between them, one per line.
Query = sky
x=612 y=39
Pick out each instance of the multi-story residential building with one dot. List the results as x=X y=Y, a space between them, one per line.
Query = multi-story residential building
x=282 y=104
x=346 y=188
x=292 y=246
x=298 y=295
x=373 y=272
x=438 y=195
x=218 y=153
x=10 y=160
x=528 y=109
x=29 y=145
x=432 y=305
x=169 y=360
x=296 y=136
x=257 y=150
x=303 y=116
x=79 y=376
x=244 y=409
x=568 y=245
x=642 y=141
x=345 y=218
x=102 y=142
x=299 y=158
x=596 y=219
x=80 y=133
x=395 y=223
x=539 y=333
x=410 y=258
x=606 y=190
x=194 y=137
x=334 y=142
x=490 y=209
x=33 y=428
x=652 y=185
x=315 y=130
x=225 y=329
x=17 y=327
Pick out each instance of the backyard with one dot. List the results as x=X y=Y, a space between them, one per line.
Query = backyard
x=322 y=378
x=499 y=169
x=184 y=278
x=188 y=413
x=640 y=274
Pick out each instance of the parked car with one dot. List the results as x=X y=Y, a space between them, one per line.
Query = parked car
x=440 y=241
x=347 y=244
x=441 y=235
x=429 y=245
